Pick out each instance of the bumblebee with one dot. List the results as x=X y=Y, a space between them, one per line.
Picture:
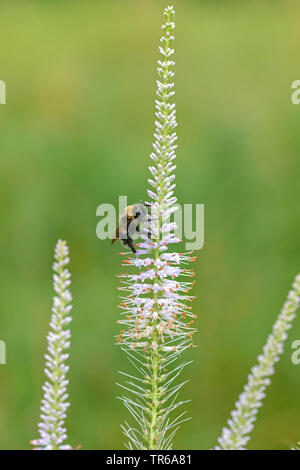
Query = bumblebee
x=129 y=224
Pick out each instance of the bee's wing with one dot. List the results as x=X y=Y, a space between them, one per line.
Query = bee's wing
x=116 y=236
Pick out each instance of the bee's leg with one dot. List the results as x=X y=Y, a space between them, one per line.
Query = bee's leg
x=129 y=242
x=137 y=228
x=149 y=232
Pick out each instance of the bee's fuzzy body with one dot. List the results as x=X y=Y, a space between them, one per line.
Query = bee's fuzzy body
x=129 y=223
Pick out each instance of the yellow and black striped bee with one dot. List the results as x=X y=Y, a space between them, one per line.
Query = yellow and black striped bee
x=129 y=224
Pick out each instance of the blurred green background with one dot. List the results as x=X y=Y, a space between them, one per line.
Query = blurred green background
x=77 y=131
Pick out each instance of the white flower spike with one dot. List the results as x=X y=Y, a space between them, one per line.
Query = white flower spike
x=157 y=323
x=236 y=435
x=54 y=403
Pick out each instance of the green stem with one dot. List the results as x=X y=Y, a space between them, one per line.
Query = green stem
x=155 y=359
x=153 y=437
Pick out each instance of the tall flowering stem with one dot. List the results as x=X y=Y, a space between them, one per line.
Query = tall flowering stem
x=236 y=435
x=54 y=402
x=157 y=322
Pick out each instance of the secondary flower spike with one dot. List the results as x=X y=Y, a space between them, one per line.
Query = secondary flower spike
x=157 y=322
x=236 y=435
x=55 y=400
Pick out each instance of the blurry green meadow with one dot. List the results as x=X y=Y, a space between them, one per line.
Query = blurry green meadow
x=76 y=132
